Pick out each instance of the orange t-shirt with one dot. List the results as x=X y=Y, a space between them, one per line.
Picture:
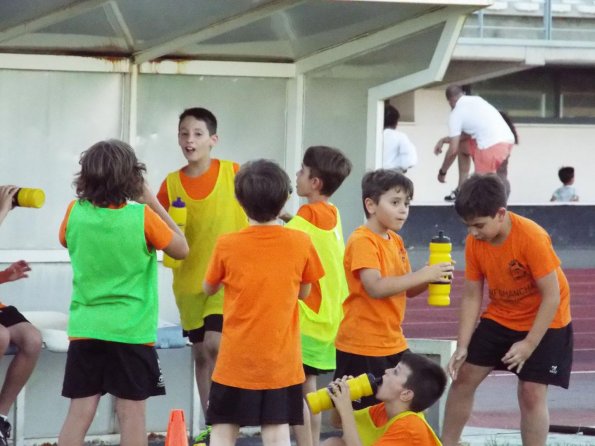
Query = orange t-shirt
x=324 y=216
x=196 y=187
x=372 y=327
x=407 y=431
x=157 y=233
x=261 y=268
x=511 y=269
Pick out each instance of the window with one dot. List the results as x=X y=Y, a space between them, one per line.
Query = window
x=545 y=94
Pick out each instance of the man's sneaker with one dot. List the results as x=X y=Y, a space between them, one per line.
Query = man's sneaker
x=202 y=438
x=4 y=432
x=452 y=196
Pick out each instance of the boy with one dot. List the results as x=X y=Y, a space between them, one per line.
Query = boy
x=205 y=184
x=406 y=390
x=16 y=329
x=113 y=313
x=323 y=170
x=370 y=337
x=567 y=192
x=398 y=151
x=526 y=327
x=264 y=269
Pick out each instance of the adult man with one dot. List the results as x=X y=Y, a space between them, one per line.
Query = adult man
x=476 y=130
x=398 y=151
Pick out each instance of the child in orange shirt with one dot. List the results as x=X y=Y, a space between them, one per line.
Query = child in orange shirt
x=406 y=391
x=205 y=184
x=263 y=269
x=526 y=327
x=370 y=337
x=323 y=170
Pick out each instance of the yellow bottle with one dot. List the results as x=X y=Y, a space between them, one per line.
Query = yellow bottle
x=440 y=249
x=29 y=198
x=179 y=214
x=360 y=386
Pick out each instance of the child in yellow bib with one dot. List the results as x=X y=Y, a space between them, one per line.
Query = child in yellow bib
x=406 y=391
x=323 y=170
x=206 y=186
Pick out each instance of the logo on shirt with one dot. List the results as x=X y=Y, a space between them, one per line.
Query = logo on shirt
x=554 y=370
x=517 y=270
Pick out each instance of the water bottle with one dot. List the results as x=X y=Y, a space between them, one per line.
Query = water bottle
x=29 y=198
x=360 y=386
x=440 y=248
x=179 y=214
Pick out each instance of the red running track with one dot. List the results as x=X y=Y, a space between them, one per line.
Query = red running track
x=423 y=321
x=495 y=401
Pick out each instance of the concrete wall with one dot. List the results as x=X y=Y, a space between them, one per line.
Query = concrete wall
x=534 y=163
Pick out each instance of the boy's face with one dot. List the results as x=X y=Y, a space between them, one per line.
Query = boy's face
x=194 y=139
x=487 y=229
x=393 y=383
x=305 y=185
x=391 y=211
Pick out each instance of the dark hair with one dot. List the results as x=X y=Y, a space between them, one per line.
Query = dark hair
x=328 y=164
x=453 y=91
x=377 y=182
x=480 y=196
x=391 y=117
x=510 y=125
x=566 y=174
x=201 y=114
x=262 y=188
x=110 y=174
x=427 y=381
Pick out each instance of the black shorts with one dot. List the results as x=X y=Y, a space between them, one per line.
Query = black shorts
x=127 y=371
x=550 y=363
x=213 y=322
x=355 y=365
x=232 y=405
x=314 y=371
x=10 y=316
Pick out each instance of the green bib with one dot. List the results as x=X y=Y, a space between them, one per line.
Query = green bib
x=114 y=284
x=319 y=329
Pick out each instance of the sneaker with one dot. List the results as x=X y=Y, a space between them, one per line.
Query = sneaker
x=452 y=196
x=201 y=439
x=4 y=432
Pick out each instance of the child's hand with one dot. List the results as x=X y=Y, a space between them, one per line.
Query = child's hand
x=146 y=196
x=6 y=195
x=340 y=395
x=439 y=272
x=17 y=270
x=517 y=355
x=456 y=361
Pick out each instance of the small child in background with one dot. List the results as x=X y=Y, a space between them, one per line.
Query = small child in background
x=264 y=269
x=205 y=184
x=567 y=192
x=370 y=337
x=15 y=328
x=323 y=170
x=406 y=391
x=114 y=309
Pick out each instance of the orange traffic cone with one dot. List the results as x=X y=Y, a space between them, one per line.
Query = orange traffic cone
x=176 y=429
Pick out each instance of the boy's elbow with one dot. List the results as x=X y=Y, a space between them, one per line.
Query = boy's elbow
x=178 y=248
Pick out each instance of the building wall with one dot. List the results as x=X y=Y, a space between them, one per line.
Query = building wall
x=534 y=163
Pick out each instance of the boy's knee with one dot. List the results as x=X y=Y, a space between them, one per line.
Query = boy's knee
x=29 y=340
x=532 y=395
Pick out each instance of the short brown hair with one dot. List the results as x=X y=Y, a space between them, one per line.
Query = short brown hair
x=262 y=188
x=110 y=174
x=427 y=381
x=480 y=196
x=328 y=164
x=201 y=114
x=377 y=182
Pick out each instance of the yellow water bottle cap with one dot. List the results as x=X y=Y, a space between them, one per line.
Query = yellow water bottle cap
x=30 y=198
